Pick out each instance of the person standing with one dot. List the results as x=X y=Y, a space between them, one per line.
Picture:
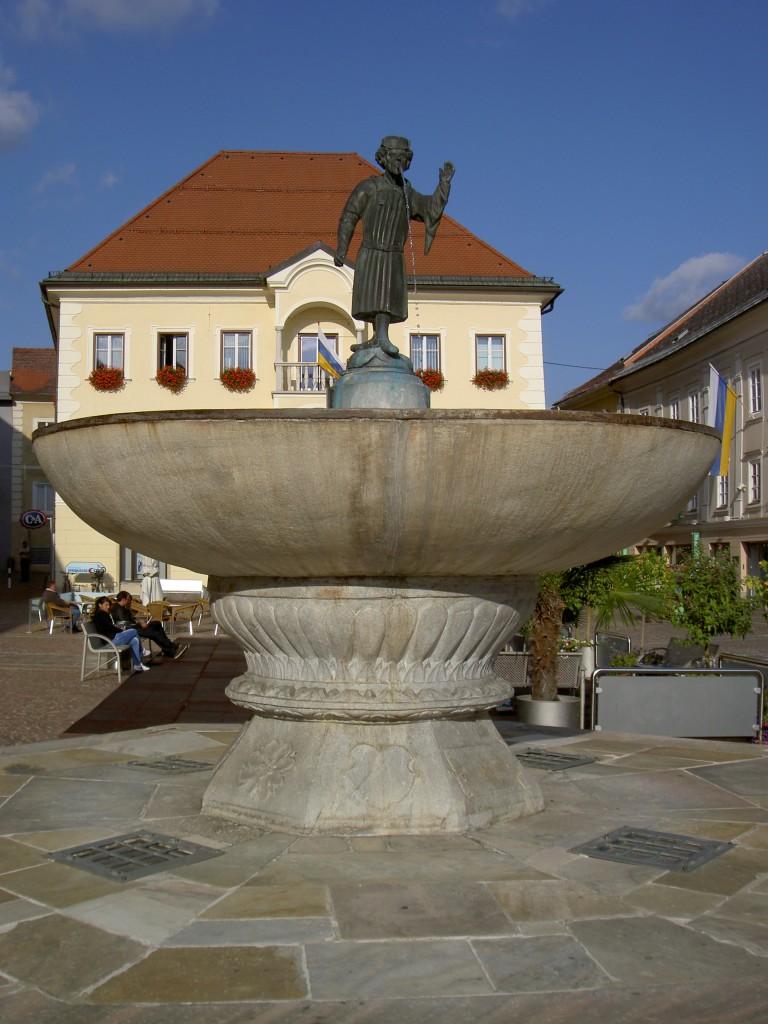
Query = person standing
x=25 y=561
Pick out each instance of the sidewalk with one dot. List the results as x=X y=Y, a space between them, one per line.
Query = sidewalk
x=503 y=924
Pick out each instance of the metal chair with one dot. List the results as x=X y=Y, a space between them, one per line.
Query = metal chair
x=102 y=647
x=35 y=608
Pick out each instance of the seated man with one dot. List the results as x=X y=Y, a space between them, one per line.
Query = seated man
x=51 y=595
x=124 y=617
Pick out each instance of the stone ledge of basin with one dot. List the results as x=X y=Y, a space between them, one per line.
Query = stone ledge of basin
x=331 y=415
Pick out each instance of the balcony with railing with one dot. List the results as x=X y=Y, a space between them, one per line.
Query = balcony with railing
x=301 y=378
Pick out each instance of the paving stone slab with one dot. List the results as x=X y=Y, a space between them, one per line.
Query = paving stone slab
x=725 y=875
x=392 y=911
x=749 y=934
x=293 y=931
x=208 y=975
x=255 y=900
x=676 y=904
x=747 y=778
x=539 y=964
x=374 y=970
x=650 y=951
x=61 y=956
x=554 y=901
x=58 y=885
x=50 y=803
x=659 y=791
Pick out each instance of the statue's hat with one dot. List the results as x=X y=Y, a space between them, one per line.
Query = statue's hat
x=395 y=142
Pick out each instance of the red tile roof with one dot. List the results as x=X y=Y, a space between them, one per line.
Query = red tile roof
x=246 y=212
x=33 y=371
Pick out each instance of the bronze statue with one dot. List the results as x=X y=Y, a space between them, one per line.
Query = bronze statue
x=385 y=203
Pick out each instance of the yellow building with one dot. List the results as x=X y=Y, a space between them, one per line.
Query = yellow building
x=670 y=374
x=233 y=268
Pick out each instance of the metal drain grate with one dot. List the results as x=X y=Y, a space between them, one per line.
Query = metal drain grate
x=549 y=761
x=657 y=849
x=172 y=764
x=134 y=855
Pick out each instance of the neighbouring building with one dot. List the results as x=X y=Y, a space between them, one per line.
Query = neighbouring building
x=233 y=267
x=32 y=390
x=6 y=445
x=668 y=375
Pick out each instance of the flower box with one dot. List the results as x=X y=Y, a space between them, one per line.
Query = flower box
x=106 y=378
x=433 y=379
x=174 y=378
x=237 y=378
x=491 y=380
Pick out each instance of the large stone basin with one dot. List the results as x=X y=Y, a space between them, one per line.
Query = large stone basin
x=371 y=564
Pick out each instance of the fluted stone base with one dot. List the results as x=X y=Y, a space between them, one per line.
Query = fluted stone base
x=378 y=779
x=370 y=698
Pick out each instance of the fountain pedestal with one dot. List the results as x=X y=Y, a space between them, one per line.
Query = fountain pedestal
x=370 y=700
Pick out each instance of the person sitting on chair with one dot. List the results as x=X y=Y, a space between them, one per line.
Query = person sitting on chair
x=51 y=595
x=123 y=616
x=102 y=620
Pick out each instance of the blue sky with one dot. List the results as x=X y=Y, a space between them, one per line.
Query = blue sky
x=617 y=146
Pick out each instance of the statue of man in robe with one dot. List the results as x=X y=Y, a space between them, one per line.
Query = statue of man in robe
x=385 y=203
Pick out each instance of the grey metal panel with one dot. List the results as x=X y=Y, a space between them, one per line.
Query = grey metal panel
x=696 y=702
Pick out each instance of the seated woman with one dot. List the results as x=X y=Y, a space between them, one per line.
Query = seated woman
x=102 y=620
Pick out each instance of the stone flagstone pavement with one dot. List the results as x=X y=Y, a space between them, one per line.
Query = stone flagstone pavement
x=503 y=924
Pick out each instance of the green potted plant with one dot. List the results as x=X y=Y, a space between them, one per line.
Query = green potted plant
x=106 y=378
x=174 y=378
x=237 y=378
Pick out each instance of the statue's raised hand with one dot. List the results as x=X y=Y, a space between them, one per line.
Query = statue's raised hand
x=447 y=171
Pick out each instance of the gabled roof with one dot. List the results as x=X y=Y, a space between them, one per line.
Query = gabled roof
x=242 y=213
x=732 y=298
x=33 y=372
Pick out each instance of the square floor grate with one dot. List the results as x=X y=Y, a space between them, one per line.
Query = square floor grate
x=177 y=765
x=549 y=761
x=657 y=849
x=123 y=858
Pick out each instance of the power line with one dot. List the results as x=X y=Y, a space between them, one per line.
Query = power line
x=573 y=366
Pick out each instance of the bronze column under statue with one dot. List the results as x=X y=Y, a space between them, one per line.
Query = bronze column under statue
x=386 y=203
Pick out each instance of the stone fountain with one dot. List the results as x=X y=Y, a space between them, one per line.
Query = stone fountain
x=372 y=561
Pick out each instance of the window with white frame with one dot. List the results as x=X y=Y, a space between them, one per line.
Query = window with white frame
x=754 y=487
x=173 y=350
x=108 y=350
x=674 y=408
x=489 y=351
x=236 y=351
x=311 y=376
x=755 y=390
x=694 y=414
x=425 y=351
x=722 y=492
x=644 y=412
x=43 y=497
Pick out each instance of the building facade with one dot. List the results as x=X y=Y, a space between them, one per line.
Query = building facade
x=233 y=268
x=669 y=375
x=32 y=390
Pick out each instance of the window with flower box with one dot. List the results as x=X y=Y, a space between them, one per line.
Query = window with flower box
x=489 y=351
x=173 y=350
x=425 y=351
x=236 y=350
x=108 y=350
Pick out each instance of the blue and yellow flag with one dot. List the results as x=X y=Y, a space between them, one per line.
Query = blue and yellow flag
x=326 y=357
x=722 y=416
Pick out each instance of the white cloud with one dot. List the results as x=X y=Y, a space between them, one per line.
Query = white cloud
x=18 y=111
x=60 y=17
x=671 y=295
x=108 y=179
x=514 y=8
x=64 y=174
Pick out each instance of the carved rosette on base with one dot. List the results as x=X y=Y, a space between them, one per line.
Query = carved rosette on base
x=395 y=675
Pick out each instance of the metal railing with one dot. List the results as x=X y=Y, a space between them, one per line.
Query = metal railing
x=301 y=378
